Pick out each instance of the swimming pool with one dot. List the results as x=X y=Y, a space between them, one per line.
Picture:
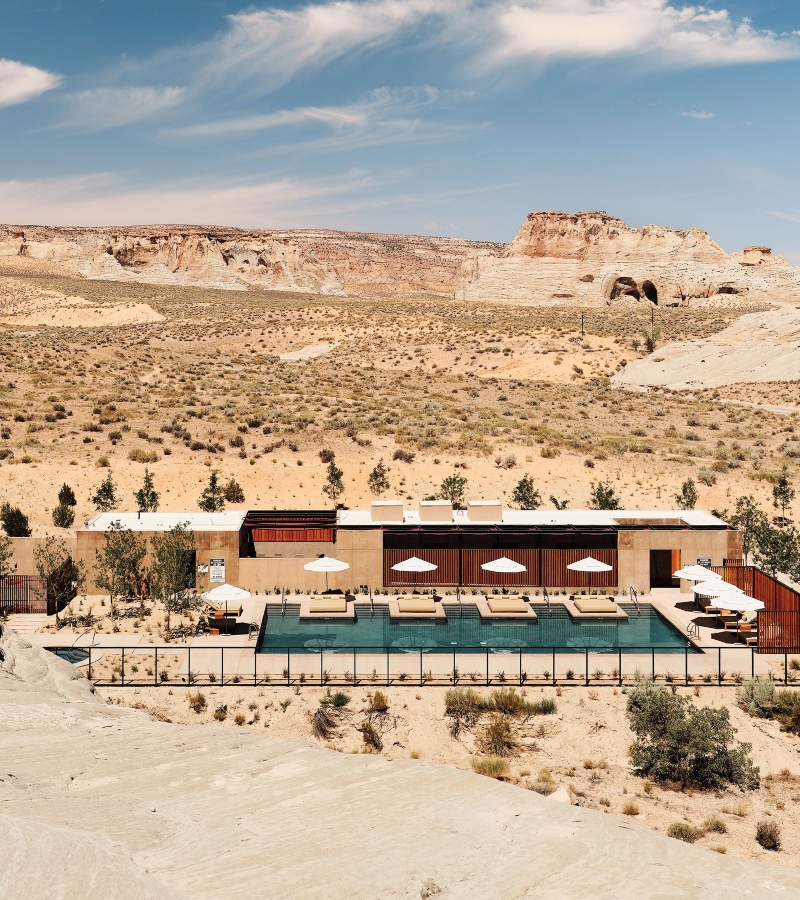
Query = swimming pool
x=74 y=655
x=465 y=630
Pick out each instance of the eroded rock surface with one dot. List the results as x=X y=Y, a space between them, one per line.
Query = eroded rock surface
x=104 y=801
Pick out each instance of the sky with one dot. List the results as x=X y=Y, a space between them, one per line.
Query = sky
x=443 y=117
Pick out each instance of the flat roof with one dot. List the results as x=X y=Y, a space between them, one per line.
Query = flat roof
x=618 y=518
x=230 y=520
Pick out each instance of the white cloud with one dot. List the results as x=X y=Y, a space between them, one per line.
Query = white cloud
x=19 y=82
x=698 y=114
x=787 y=217
x=109 y=107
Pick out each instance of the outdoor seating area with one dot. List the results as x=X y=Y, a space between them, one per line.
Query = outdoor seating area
x=596 y=606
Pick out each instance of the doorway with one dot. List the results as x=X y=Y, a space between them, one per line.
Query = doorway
x=662 y=565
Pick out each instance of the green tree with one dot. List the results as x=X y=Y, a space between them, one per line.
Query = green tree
x=378 y=480
x=687 y=499
x=603 y=496
x=525 y=494
x=748 y=517
x=334 y=483
x=63 y=516
x=454 y=488
x=678 y=742
x=147 y=497
x=118 y=563
x=651 y=338
x=172 y=570
x=782 y=494
x=66 y=496
x=776 y=550
x=105 y=497
x=15 y=522
x=559 y=504
x=213 y=497
x=6 y=555
x=233 y=492
x=61 y=577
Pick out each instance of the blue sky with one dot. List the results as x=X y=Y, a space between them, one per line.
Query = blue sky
x=450 y=117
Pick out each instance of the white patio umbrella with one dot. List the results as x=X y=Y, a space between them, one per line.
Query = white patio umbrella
x=741 y=603
x=695 y=573
x=716 y=588
x=589 y=565
x=414 y=564
x=326 y=564
x=504 y=564
x=227 y=593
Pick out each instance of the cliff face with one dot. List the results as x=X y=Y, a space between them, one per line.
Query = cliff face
x=320 y=262
x=593 y=259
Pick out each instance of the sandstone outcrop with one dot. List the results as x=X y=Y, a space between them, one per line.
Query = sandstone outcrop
x=594 y=259
x=318 y=262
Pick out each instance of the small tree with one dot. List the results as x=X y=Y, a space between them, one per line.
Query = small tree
x=603 y=496
x=63 y=516
x=233 y=492
x=559 y=504
x=748 y=518
x=525 y=494
x=213 y=497
x=6 y=555
x=15 y=522
x=651 y=338
x=147 y=498
x=334 y=482
x=677 y=742
x=66 y=496
x=687 y=499
x=378 y=480
x=105 y=497
x=453 y=488
x=118 y=562
x=782 y=494
x=172 y=570
x=60 y=576
x=776 y=550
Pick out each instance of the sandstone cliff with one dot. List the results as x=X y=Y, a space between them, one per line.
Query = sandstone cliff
x=319 y=262
x=593 y=258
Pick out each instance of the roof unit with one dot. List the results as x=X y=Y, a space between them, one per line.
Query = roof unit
x=435 y=511
x=387 y=511
x=484 y=510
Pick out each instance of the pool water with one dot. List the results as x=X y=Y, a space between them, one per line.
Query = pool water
x=71 y=654
x=465 y=629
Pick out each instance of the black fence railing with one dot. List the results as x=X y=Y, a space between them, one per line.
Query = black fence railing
x=169 y=665
x=22 y=594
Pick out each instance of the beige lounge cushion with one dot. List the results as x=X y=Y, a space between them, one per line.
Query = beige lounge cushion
x=416 y=605
x=507 y=605
x=595 y=605
x=231 y=609
x=327 y=605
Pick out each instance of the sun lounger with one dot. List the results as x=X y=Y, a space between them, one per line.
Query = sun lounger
x=327 y=604
x=507 y=605
x=751 y=640
x=416 y=605
x=595 y=605
x=229 y=609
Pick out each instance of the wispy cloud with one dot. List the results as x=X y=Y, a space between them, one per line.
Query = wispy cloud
x=19 y=82
x=112 y=107
x=698 y=114
x=787 y=217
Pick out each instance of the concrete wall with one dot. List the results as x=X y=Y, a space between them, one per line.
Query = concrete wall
x=634 y=551
x=23 y=561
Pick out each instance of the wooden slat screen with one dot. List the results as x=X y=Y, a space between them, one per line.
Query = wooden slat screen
x=779 y=631
x=445 y=574
x=556 y=574
x=299 y=535
x=23 y=594
x=474 y=575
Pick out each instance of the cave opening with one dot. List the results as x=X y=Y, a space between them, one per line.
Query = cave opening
x=650 y=291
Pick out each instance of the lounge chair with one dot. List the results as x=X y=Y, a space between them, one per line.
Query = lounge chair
x=416 y=604
x=508 y=605
x=595 y=605
x=227 y=609
x=328 y=604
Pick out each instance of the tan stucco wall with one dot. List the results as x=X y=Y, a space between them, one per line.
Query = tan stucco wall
x=634 y=552
x=23 y=562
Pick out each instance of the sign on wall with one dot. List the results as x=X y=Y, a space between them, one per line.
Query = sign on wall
x=704 y=561
x=217 y=571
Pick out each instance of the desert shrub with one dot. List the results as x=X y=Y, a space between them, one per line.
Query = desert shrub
x=197 y=702
x=768 y=834
x=338 y=700
x=403 y=455
x=327 y=455
x=715 y=824
x=63 y=516
x=323 y=722
x=497 y=737
x=491 y=766
x=786 y=709
x=464 y=707
x=221 y=713
x=240 y=718
x=233 y=492
x=675 y=741
x=707 y=477
x=544 y=784
x=544 y=707
x=756 y=696
x=378 y=702
x=508 y=702
x=137 y=454
x=630 y=808
x=15 y=522
x=683 y=831
x=370 y=735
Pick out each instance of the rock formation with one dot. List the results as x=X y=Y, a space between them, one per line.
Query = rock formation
x=99 y=800
x=593 y=258
x=318 y=262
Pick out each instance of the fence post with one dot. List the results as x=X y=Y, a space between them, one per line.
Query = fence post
x=90 y=662
x=454 y=665
x=686 y=664
x=554 y=666
x=288 y=666
x=586 y=654
x=123 y=665
x=620 y=665
x=388 y=679
x=785 y=667
x=255 y=667
x=752 y=663
x=520 y=666
x=189 y=664
x=653 y=663
x=420 y=667
x=719 y=666
x=321 y=669
x=355 y=678
x=222 y=665
x=487 y=666
x=155 y=668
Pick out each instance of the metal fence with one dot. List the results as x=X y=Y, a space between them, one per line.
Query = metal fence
x=170 y=664
x=22 y=594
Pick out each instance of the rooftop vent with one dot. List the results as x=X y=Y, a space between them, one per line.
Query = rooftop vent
x=435 y=511
x=484 y=510
x=387 y=511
